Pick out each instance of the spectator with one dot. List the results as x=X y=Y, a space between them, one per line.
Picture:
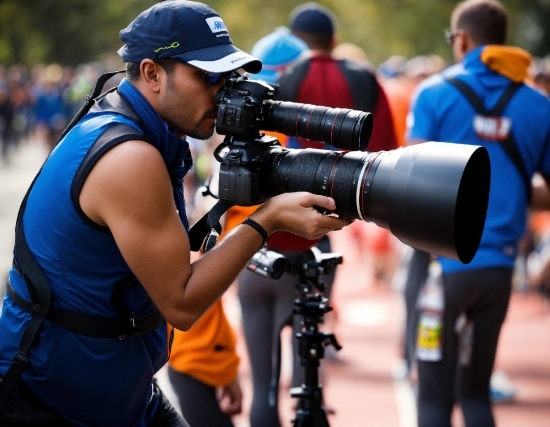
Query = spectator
x=203 y=369
x=266 y=304
x=318 y=78
x=481 y=101
x=50 y=109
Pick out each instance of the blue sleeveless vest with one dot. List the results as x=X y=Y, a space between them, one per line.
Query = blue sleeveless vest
x=89 y=380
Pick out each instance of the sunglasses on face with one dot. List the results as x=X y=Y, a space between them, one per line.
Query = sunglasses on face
x=214 y=78
x=450 y=36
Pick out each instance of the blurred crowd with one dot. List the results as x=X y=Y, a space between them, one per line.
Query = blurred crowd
x=37 y=104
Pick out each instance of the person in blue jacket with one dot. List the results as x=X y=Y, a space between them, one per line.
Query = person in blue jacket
x=104 y=261
x=482 y=100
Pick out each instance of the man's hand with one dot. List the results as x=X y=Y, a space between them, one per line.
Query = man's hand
x=297 y=213
x=540 y=193
x=231 y=398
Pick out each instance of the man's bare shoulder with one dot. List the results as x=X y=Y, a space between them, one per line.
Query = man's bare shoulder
x=130 y=176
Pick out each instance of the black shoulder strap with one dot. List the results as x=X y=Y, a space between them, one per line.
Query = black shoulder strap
x=90 y=100
x=509 y=144
x=291 y=80
x=39 y=289
x=208 y=228
x=470 y=95
x=113 y=135
x=362 y=84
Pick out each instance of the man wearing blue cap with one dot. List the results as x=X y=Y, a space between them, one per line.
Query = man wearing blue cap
x=104 y=262
x=482 y=100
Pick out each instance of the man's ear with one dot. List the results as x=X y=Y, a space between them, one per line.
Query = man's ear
x=464 y=41
x=150 y=73
x=334 y=41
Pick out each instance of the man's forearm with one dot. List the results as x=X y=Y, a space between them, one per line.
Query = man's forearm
x=214 y=271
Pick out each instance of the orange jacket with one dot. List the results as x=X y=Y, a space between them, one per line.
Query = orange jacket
x=207 y=351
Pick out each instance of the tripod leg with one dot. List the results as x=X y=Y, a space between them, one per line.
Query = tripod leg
x=311 y=418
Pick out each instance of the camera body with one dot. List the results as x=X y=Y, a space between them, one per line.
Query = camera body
x=241 y=103
x=243 y=152
x=241 y=167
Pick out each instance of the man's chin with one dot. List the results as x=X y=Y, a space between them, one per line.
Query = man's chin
x=202 y=133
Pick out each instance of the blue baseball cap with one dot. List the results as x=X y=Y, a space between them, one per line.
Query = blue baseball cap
x=187 y=31
x=312 y=17
x=277 y=51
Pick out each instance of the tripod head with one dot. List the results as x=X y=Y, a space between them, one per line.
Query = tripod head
x=310 y=266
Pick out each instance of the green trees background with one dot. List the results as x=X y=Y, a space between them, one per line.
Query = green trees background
x=71 y=32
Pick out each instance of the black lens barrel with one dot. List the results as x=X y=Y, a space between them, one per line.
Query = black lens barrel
x=431 y=196
x=339 y=127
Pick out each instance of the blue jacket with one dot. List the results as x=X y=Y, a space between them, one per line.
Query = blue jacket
x=89 y=381
x=439 y=112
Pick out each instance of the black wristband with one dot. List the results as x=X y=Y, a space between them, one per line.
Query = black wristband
x=259 y=229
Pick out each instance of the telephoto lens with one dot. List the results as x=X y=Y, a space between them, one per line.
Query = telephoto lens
x=339 y=127
x=432 y=196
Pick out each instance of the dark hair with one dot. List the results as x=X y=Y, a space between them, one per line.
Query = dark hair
x=321 y=41
x=485 y=21
x=133 y=72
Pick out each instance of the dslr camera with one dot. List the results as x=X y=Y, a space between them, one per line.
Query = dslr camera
x=431 y=196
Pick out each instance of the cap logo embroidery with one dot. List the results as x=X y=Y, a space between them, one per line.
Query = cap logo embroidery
x=216 y=24
x=172 y=46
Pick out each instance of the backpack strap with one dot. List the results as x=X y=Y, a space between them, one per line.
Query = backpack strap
x=291 y=80
x=37 y=285
x=362 y=84
x=113 y=135
x=95 y=326
x=90 y=101
x=39 y=291
x=509 y=144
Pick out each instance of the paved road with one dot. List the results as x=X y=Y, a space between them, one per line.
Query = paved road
x=15 y=177
x=360 y=386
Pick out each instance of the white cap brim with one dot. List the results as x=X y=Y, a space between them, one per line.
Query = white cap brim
x=230 y=62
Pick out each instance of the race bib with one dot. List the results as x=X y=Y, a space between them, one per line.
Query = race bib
x=492 y=128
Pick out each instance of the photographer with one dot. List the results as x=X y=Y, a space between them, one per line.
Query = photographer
x=106 y=230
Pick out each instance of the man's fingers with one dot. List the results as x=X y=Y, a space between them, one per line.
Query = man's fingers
x=233 y=408
x=322 y=201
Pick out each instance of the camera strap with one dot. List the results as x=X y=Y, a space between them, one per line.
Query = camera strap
x=508 y=143
x=207 y=230
x=361 y=82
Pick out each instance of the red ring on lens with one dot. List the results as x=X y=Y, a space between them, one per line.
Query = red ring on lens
x=336 y=160
x=363 y=185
